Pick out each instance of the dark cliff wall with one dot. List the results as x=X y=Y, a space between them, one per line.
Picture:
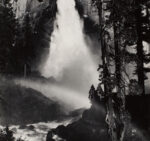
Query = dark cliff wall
x=41 y=16
x=43 y=30
x=89 y=14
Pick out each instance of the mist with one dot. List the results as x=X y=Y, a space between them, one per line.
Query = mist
x=68 y=98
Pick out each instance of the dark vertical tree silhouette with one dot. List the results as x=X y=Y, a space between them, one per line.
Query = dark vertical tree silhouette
x=7 y=34
x=140 y=52
x=121 y=30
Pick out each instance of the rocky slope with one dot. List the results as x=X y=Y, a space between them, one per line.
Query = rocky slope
x=20 y=105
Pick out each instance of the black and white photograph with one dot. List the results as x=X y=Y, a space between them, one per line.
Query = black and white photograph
x=74 y=70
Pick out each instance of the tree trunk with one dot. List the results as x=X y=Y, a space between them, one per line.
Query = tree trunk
x=119 y=112
x=103 y=48
x=140 y=62
x=117 y=58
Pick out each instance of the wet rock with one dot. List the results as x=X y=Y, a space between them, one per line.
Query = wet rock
x=31 y=127
x=91 y=127
x=22 y=127
x=50 y=136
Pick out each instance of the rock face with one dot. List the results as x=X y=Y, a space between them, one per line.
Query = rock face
x=31 y=6
x=91 y=127
x=89 y=14
x=41 y=16
x=88 y=10
x=19 y=105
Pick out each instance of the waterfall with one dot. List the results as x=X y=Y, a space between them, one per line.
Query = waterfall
x=69 y=59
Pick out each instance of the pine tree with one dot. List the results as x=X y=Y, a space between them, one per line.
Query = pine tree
x=140 y=52
x=7 y=34
x=23 y=51
x=114 y=41
x=27 y=49
x=123 y=30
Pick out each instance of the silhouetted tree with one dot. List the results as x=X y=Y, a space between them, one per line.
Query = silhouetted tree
x=7 y=34
x=27 y=49
x=23 y=52
x=119 y=31
x=92 y=92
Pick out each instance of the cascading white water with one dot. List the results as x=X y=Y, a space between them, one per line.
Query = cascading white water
x=69 y=60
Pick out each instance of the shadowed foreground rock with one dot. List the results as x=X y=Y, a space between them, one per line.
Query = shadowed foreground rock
x=91 y=127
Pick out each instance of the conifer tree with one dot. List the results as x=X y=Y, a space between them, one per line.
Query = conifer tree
x=23 y=51
x=7 y=34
